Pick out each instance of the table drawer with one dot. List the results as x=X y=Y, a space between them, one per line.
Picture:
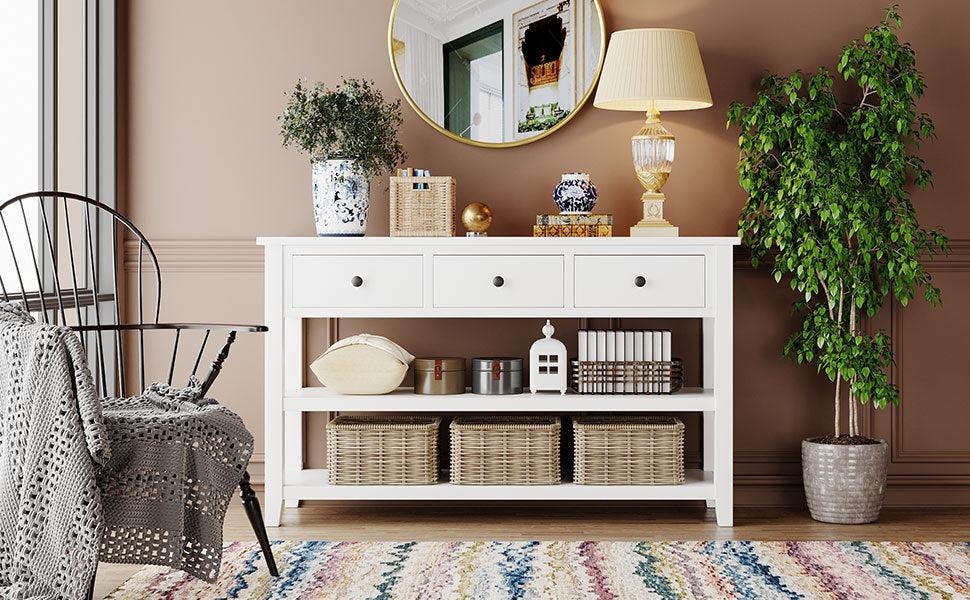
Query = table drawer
x=366 y=281
x=498 y=281
x=640 y=281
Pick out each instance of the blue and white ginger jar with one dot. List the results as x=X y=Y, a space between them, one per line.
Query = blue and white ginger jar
x=575 y=194
x=340 y=195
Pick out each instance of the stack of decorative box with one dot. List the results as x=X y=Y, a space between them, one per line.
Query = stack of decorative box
x=573 y=226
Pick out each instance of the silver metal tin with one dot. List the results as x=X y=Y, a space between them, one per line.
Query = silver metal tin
x=496 y=375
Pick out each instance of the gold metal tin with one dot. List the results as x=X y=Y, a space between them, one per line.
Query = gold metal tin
x=439 y=375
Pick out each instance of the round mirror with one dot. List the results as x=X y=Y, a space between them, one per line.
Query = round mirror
x=496 y=73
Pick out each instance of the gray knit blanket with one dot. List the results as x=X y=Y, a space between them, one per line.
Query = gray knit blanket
x=52 y=441
x=176 y=461
x=143 y=480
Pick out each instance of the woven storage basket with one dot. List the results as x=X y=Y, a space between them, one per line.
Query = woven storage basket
x=505 y=450
x=384 y=450
x=422 y=206
x=628 y=450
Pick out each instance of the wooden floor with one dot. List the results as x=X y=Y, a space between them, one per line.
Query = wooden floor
x=613 y=521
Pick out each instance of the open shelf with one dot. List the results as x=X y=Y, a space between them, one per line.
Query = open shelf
x=311 y=399
x=311 y=484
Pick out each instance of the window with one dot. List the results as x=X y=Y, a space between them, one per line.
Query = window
x=20 y=123
x=57 y=118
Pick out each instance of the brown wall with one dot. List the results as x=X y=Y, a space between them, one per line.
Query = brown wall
x=206 y=174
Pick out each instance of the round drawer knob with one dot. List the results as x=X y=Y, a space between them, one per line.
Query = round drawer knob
x=640 y=281
x=357 y=281
x=499 y=281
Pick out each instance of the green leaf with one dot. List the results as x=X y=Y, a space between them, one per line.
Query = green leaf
x=828 y=183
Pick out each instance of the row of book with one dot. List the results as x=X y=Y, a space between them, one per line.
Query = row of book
x=620 y=347
x=409 y=172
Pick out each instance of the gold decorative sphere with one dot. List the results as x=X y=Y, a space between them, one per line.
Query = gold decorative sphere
x=476 y=217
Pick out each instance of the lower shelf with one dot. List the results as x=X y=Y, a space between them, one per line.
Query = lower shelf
x=311 y=484
x=405 y=400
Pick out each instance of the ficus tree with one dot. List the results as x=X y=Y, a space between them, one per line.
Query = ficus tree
x=828 y=185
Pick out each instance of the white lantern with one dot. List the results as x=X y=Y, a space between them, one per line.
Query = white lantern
x=547 y=363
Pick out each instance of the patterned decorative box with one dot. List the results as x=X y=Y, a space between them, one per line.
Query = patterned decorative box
x=572 y=230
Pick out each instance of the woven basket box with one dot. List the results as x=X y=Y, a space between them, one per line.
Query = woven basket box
x=628 y=450
x=383 y=450
x=505 y=450
x=422 y=206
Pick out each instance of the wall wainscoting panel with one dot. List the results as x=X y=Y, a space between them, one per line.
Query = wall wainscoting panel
x=928 y=429
x=208 y=282
x=200 y=256
x=777 y=403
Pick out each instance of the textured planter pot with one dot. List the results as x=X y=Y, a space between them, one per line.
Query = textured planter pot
x=340 y=196
x=844 y=484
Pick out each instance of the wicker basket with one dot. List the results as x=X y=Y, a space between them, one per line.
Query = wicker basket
x=628 y=450
x=384 y=450
x=422 y=206
x=505 y=450
x=628 y=377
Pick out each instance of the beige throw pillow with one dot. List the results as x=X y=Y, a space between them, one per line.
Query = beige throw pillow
x=368 y=365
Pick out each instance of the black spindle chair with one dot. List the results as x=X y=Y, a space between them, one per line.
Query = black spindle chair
x=58 y=245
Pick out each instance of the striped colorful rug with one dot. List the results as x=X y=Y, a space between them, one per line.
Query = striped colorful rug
x=575 y=570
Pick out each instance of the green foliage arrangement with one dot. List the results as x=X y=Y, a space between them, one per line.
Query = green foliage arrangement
x=350 y=121
x=827 y=195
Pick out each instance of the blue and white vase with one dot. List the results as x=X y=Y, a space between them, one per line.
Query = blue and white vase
x=340 y=195
x=575 y=194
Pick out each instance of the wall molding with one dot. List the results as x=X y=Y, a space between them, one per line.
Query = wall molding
x=257 y=468
x=778 y=488
x=198 y=256
x=767 y=456
x=242 y=255
x=958 y=261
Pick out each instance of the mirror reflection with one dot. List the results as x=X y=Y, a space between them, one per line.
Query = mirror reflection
x=497 y=71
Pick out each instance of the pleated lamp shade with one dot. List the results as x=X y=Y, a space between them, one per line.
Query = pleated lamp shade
x=653 y=69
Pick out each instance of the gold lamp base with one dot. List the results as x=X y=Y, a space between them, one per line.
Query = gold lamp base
x=653 y=157
x=653 y=223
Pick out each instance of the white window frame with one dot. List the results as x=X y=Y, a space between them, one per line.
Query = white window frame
x=99 y=127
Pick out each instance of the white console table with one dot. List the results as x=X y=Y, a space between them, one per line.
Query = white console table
x=309 y=278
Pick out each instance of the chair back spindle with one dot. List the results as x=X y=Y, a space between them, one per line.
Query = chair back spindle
x=55 y=238
x=47 y=244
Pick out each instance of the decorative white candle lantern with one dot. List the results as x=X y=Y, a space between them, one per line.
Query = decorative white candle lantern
x=547 y=363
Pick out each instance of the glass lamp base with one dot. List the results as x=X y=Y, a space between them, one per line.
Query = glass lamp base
x=653 y=223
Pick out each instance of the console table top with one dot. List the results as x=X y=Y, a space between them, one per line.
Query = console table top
x=498 y=241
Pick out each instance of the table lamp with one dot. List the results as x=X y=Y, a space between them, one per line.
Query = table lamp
x=653 y=70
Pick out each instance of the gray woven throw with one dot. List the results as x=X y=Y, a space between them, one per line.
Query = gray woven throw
x=176 y=460
x=52 y=439
x=159 y=498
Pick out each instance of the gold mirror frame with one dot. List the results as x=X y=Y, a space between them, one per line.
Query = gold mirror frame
x=400 y=84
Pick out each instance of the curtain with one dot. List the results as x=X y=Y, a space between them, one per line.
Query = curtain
x=423 y=70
